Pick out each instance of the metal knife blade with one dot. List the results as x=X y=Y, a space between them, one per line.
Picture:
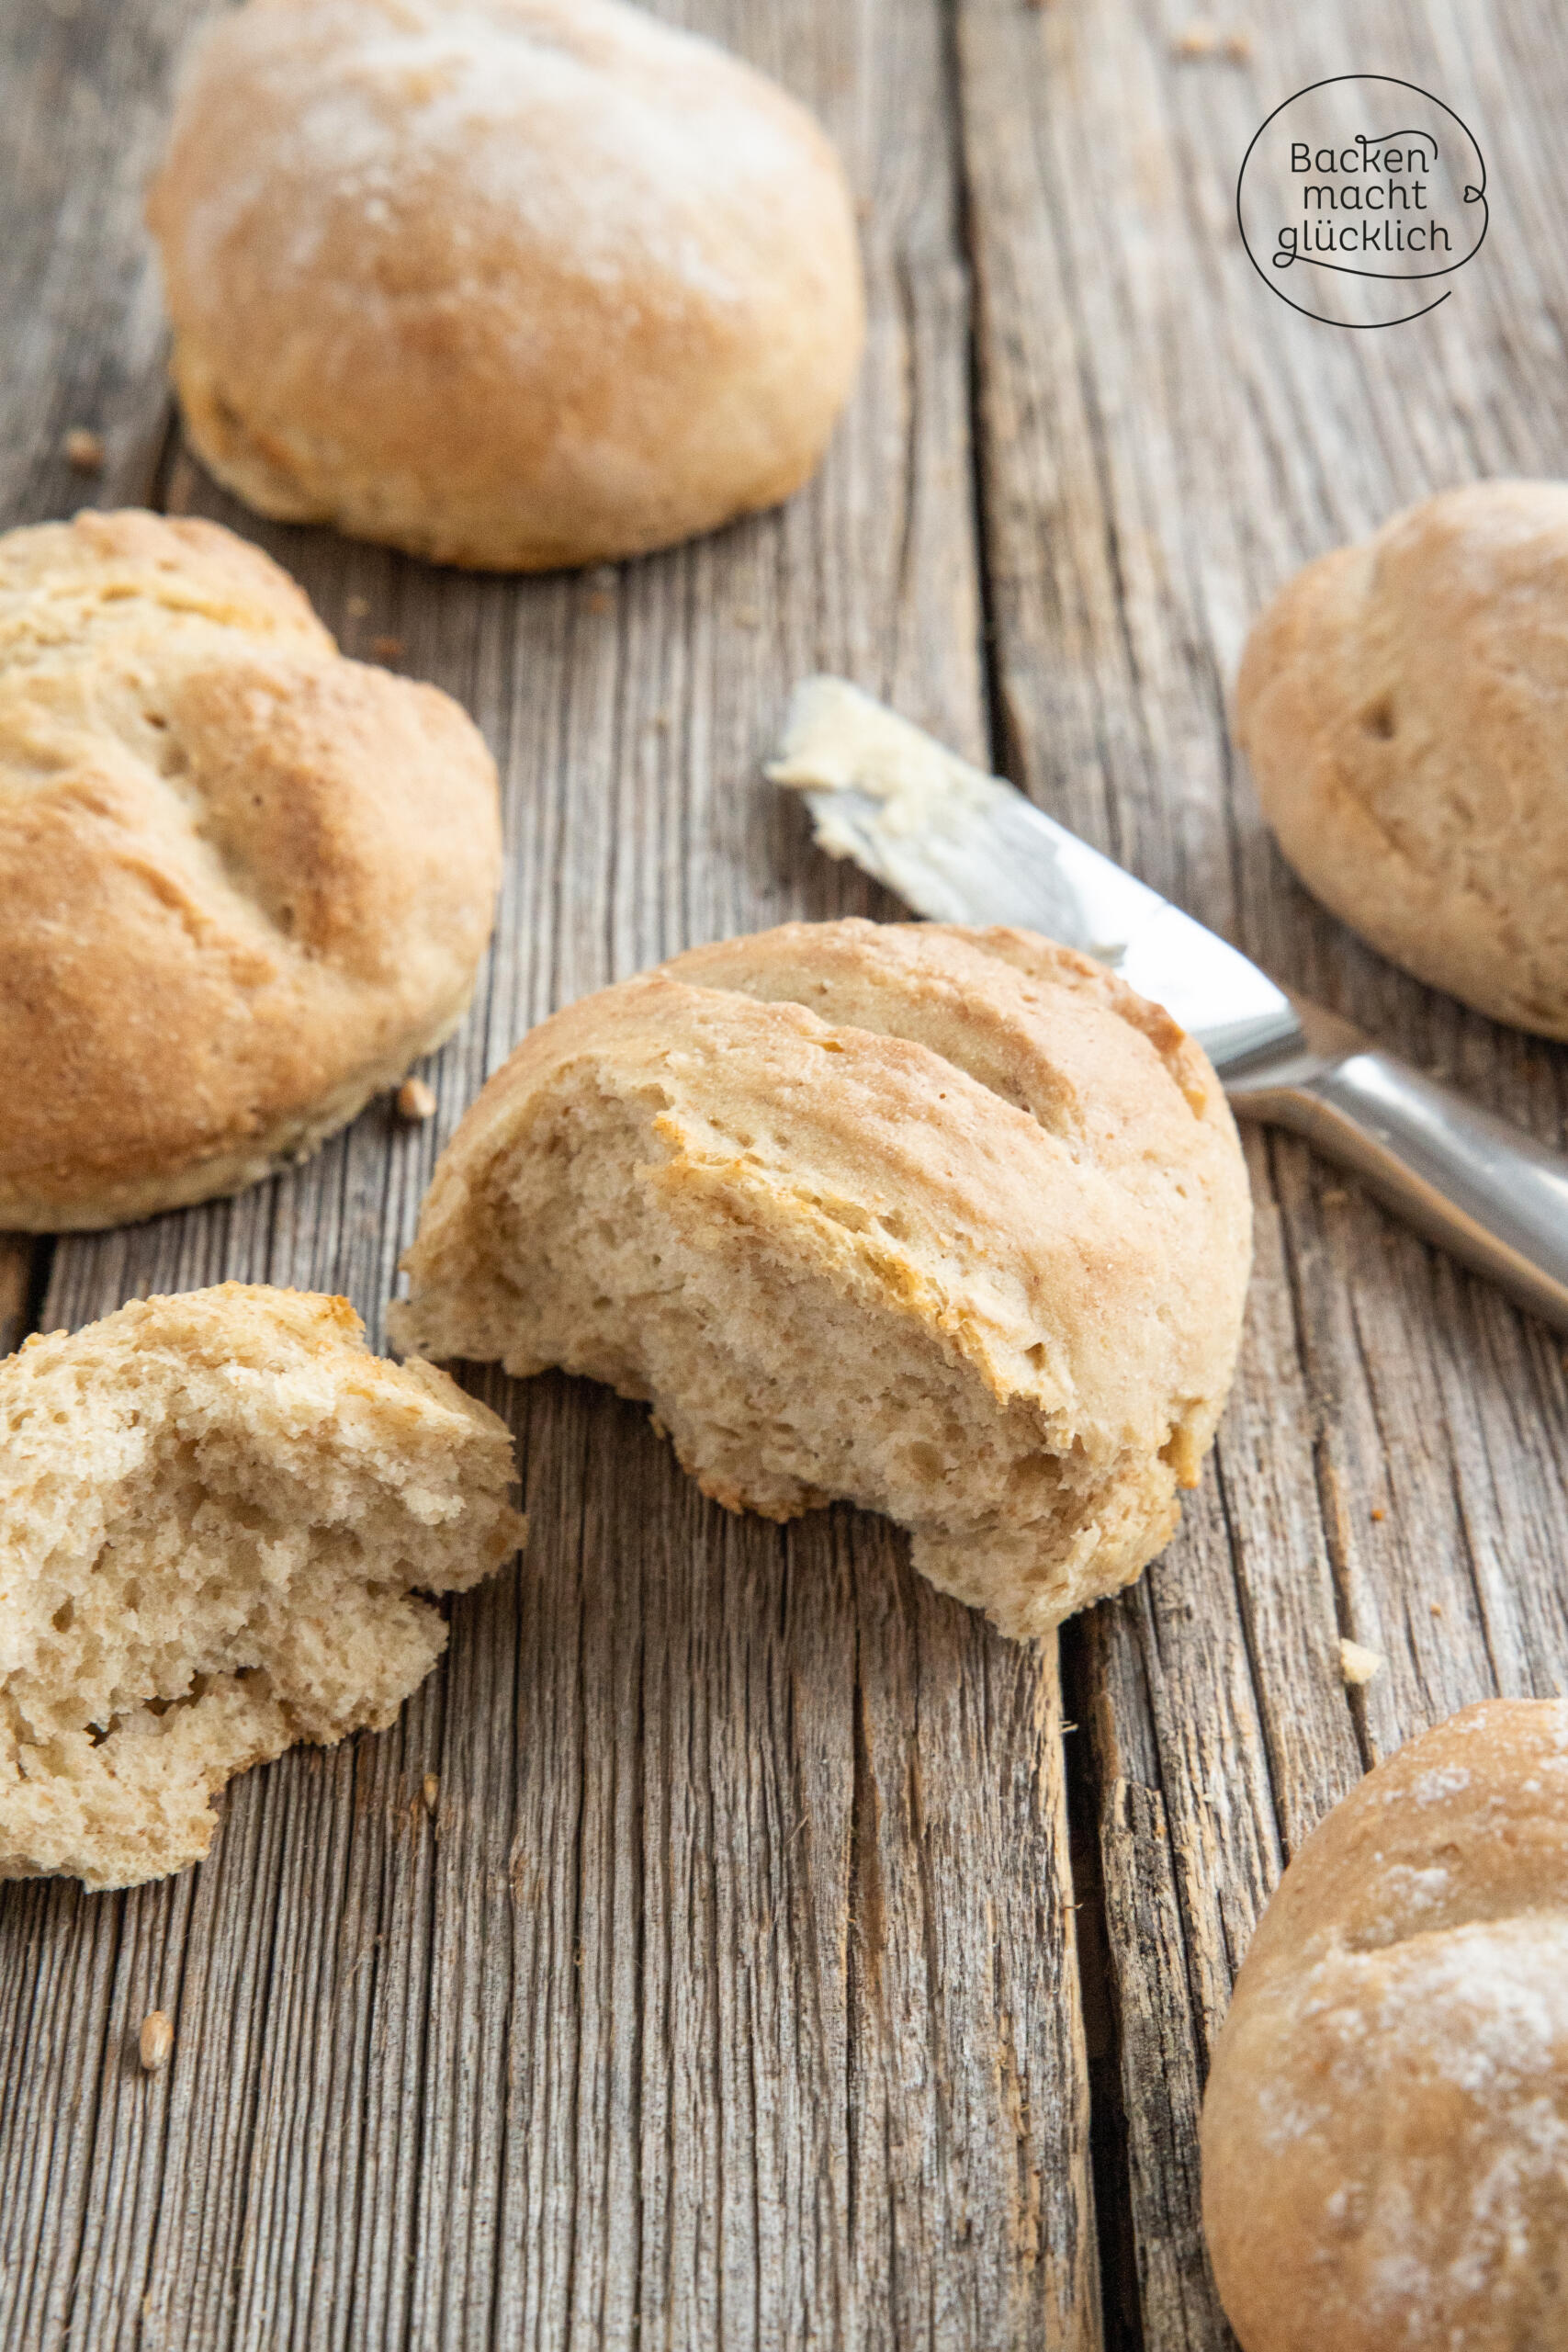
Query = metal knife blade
x=961 y=846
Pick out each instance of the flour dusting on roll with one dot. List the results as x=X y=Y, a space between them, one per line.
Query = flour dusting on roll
x=1386 y=2135
x=507 y=283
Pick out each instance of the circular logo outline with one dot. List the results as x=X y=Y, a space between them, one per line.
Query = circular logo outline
x=1412 y=277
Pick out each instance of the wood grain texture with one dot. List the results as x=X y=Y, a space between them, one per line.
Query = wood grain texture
x=83 y=88
x=1162 y=444
x=727 y=1993
x=695 y=1962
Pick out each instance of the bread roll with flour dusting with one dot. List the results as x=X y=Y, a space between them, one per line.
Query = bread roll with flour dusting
x=507 y=283
x=1385 y=2136
x=948 y=1223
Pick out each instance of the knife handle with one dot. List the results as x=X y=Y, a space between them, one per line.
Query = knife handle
x=1480 y=1187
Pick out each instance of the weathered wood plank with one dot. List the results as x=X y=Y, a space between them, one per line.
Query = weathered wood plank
x=83 y=335
x=728 y=1992
x=1162 y=443
x=85 y=84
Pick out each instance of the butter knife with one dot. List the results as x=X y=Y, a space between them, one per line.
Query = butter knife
x=960 y=846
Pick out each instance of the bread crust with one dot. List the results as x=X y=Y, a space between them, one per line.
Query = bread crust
x=216 y=1509
x=1386 y=2135
x=510 y=284
x=247 y=882
x=1404 y=704
x=970 y=1167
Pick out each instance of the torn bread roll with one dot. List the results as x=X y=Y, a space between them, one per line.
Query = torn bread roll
x=947 y=1222
x=1386 y=2135
x=216 y=1510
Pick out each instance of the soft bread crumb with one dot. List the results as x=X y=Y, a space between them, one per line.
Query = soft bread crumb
x=416 y=1101
x=156 y=2041
x=1201 y=40
x=1358 y=1663
x=84 y=450
x=216 y=1511
x=432 y=1791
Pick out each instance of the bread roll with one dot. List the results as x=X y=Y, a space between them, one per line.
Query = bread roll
x=1405 y=706
x=244 y=883
x=947 y=1222
x=1385 y=2136
x=510 y=283
x=215 y=1510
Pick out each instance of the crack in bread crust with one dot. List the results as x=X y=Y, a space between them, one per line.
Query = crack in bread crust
x=247 y=882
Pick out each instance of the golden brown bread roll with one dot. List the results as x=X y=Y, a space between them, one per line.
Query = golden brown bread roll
x=948 y=1222
x=1385 y=2135
x=215 y=1512
x=1404 y=704
x=244 y=883
x=512 y=283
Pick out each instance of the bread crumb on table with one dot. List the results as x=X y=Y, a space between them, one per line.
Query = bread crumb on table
x=1203 y=40
x=416 y=1101
x=432 y=1791
x=388 y=649
x=157 y=2040
x=1358 y=1663
x=84 y=449
x=356 y=607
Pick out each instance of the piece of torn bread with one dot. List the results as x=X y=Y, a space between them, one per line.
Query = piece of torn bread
x=947 y=1222
x=215 y=1512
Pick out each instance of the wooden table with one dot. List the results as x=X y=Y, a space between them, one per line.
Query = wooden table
x=778 y=1966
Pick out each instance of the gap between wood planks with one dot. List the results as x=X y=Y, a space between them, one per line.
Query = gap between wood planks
x=1120 y=2314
